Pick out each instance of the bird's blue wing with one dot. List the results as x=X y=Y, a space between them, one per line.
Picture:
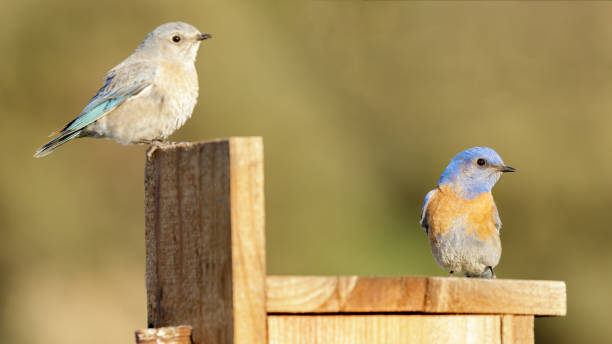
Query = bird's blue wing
x=122 y=82
x=95 y=113
x=428 y=197
x=497 y=220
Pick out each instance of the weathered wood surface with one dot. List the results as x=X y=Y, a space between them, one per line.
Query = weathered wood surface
x=205 y=243
x=441 y=295
x=164 y=335
x=384 y=329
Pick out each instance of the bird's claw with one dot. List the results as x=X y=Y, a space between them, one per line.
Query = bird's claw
x=152 y=148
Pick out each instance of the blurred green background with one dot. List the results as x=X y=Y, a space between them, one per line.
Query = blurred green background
x=361 y=106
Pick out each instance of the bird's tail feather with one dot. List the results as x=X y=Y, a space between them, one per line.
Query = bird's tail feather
x=50 y=146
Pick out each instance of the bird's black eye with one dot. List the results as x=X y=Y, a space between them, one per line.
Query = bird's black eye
x=176 y=38
x=481 y=162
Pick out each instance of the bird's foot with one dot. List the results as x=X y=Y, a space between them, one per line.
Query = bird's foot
x=153 y=145
x=152 y=148
x=451 y=273
x=492 y=272
x=151 y=142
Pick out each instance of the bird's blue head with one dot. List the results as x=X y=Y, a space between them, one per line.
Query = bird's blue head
x=474 y=171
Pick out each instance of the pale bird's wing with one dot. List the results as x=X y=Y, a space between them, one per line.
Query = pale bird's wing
x=122 y=82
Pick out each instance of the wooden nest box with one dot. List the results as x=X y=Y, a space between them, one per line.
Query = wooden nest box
x=206 y=270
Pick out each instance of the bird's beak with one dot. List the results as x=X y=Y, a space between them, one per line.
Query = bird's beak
x=204 y=36
x=506 y=169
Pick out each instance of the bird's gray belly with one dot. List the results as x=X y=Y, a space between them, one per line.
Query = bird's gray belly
x=462 y=252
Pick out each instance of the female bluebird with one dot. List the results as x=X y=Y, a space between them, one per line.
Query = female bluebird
x=460 y=216
x=146 y=97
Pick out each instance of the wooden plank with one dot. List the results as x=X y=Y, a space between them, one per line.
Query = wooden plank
x=248 y=239
x=383 y=329
x=164 y=335
x=517 y=329
x=205 y=239
x=335 y=294
x=437 y=295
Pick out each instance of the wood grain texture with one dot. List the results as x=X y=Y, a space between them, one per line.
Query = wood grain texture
x=517 y=329
x=248 y=239
x=437 y=295
x=205 y=239
x=164 y=335
x=383 y=329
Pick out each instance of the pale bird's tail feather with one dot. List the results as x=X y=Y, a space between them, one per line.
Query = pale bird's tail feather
x=56 y=131
x=50 y=146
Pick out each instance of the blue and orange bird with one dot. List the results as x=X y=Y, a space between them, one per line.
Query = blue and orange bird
x=146 y=97
x=460 y=216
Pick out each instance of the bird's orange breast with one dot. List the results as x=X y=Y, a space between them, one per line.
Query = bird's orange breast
x=447 y=211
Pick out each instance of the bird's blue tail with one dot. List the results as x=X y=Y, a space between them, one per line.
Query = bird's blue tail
x=50 y=146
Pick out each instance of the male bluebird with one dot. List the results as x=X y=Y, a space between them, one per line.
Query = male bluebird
x=146 y=97
x=460 y=216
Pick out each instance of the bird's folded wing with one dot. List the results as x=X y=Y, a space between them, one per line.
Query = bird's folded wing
x=428 y=197
x=122 y=82
x=497 y=220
